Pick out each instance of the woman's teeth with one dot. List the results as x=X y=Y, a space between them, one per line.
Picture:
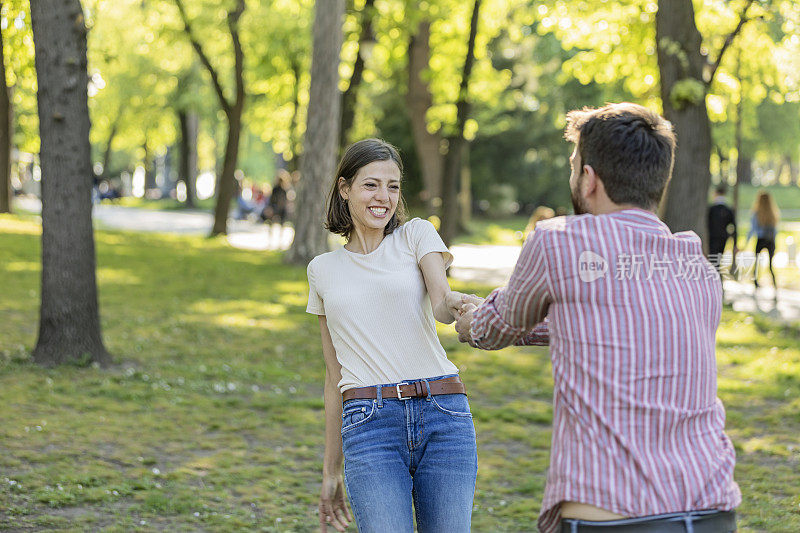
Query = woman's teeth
x=378 y=211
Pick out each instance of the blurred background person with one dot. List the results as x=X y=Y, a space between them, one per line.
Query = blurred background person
x=763 y=224
x=721 y=226
x=540 y=213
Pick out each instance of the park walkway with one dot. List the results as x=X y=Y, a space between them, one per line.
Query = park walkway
x=483 y=264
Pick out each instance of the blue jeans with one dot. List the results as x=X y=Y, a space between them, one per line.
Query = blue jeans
x=420 y=450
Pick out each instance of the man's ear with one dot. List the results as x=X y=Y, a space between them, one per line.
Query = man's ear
x=590 y=182
x=342 y=185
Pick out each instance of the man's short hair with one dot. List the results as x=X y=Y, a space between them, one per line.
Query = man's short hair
x=629 y=147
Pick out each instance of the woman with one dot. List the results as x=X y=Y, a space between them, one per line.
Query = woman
x=540 y=213
x=395 y=409
x=763 y=224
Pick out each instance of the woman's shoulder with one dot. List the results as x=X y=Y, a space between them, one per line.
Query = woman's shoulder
x=417 y=225
x=324 y=260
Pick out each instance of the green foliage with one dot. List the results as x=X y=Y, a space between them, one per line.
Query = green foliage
x=212 y=416
x=15 y=21
x=687 y=92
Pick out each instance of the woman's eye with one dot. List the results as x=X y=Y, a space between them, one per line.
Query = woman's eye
x=369 y=185
x=395 y=187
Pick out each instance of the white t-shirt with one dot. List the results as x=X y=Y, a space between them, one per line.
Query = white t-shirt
x=378 y=310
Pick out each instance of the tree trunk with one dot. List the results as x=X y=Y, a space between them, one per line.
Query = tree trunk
x=683 y=92
x=294 y=163
x=187 y=167
x=419 y=100
x=794 y=171
x=322 y=134
x=107 y=153
x=744 y=170
x=465 y=193
x=6 y=134
x=456 y=142
x=351 y=94
x=69 y=329
x=149 y=165
x=226 y=185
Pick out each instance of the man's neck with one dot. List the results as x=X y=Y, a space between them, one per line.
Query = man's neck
x=611 y=207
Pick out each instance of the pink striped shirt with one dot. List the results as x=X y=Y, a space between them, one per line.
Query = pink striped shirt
x=632 y=311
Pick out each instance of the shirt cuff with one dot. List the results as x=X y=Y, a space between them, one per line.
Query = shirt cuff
x=489 y=330
x=538 y=336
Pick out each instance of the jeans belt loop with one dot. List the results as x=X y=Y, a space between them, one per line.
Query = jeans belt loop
x=379 y=396
x=428 y=386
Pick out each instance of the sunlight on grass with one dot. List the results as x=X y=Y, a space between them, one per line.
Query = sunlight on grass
x=23 y=266
x=28 y=225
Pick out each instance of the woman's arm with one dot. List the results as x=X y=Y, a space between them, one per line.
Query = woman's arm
x=446 y=303
x=332 y=507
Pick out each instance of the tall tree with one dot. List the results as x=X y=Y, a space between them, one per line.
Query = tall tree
x=318 y=163
x=187 y=167
x=686 y=73
x=69 y=328
x=6 y=133
x=350 y=95
x=419 y=100
x=456 y=141
x=233 y=110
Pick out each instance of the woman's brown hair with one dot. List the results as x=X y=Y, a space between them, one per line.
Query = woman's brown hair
x=766 y=210
x=357 y=156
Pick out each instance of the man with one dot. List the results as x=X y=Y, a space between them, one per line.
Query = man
x=632 y=310
x=721 y=226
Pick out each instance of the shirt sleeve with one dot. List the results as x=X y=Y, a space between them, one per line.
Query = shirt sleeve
x=538 y=336
x=315 y=304
x=510 y=312
x=424 y=239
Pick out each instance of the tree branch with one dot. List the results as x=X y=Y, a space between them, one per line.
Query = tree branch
x=463 y=104
x=226 y=106
x=233 y=26
x=712 y=67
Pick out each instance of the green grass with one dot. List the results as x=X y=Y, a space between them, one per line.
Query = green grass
x=211 y=418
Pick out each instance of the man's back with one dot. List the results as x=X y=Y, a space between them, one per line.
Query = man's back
x=633 y=310
x=720 y=218
x=633 y=350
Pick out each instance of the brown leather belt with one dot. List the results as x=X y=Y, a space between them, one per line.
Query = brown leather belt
x=406 y=391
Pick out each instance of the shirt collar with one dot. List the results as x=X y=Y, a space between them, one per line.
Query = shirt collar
x=640 y=219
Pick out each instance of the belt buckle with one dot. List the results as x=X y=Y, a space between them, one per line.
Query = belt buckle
x=400 y=394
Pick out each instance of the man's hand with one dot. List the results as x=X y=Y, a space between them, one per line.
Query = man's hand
x=464 y=321
x=333 y=510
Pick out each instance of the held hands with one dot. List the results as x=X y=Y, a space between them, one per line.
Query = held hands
x=464 y=321
x=457 y=302
x=462 y=306
x=333 y=510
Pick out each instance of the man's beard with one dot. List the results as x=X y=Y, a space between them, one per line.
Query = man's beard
x=578 y=203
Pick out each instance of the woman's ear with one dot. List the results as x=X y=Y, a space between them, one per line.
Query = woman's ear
x=343 y=188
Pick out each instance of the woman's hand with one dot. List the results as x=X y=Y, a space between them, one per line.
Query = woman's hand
x=333 y=510
x=456 y=302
